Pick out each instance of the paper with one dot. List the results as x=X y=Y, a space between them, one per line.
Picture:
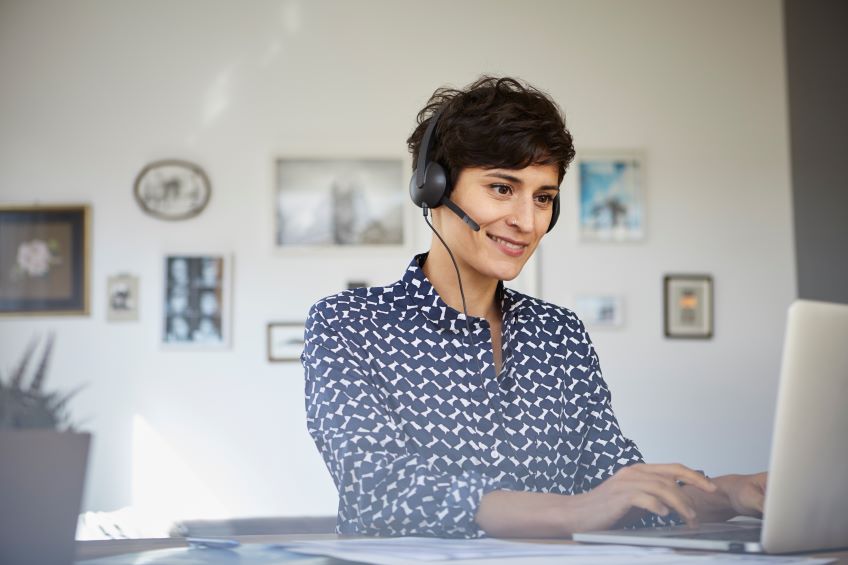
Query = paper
x=248 y=554
x=390 y=550
x=415 y=551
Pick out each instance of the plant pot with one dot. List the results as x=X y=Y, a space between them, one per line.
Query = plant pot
x=42 y=474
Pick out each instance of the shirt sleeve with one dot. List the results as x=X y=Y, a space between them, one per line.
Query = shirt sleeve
x=605 y=449
x=385 y=488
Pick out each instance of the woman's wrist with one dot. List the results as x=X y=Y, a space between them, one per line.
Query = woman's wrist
x=717 y=506
x=528 y=514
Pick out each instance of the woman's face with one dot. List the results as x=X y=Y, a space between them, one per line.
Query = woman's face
x=513 y=208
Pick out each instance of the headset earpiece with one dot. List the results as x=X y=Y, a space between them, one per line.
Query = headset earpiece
x=554 y=213
x=433 y=188
x=429 y=184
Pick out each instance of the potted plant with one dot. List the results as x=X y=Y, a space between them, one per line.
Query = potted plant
x=42 y=466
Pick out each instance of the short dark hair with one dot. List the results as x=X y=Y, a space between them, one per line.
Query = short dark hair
x=494 y=122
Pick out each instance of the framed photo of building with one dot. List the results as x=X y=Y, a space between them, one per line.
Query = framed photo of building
x=688 y=303
x=285 y=341
x=122 y=298
x=339 y=202
x=44 y=260
x=611 y=188
x=196 y=308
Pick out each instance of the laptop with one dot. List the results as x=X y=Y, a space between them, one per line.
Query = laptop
x=806 y=505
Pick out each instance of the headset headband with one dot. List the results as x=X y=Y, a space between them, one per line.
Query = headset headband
x=424 y=150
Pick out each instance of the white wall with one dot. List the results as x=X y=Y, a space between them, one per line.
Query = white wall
x=92 y=91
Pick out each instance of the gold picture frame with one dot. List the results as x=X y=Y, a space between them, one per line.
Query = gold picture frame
x=45 y=260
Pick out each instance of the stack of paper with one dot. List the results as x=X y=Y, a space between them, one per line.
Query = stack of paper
x=414 y=551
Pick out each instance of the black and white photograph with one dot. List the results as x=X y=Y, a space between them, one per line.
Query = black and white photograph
x=172 y=189
x=688 y=306
x=285 y=341
x=612 y=196
x=122 y=294
x=339 y=202
x=196 y=301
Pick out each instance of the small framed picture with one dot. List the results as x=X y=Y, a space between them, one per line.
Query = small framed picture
x=285 y=341
x=600 y=311
x=172 y=189
x=196 y=301
x=44 y=260
x=122 y=294
x=340 y=202
x=688 y=303
x=611 y=188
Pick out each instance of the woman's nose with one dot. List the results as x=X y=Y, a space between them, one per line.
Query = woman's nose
x=522 y=217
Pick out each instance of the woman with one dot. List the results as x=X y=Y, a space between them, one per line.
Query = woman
x=445 y=404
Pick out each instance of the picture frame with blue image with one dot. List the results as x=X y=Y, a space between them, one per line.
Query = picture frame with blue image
x=44 y=260
x=612 y=195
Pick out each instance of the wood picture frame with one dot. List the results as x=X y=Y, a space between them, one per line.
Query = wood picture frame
x=45 y=260
x=285 y=341
x=688 y=306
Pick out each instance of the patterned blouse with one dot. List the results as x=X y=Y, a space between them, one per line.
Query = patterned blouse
x=415 y=426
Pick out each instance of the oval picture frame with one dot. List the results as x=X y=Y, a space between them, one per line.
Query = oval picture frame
x=172 y=189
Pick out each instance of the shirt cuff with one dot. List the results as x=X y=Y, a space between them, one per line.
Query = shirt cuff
x=463 y=499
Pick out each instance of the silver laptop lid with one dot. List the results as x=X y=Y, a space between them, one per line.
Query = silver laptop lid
x=807 y=493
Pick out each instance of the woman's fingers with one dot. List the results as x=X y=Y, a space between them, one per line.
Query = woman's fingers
x=650 y=503
x=686 y=475
x=670 y=495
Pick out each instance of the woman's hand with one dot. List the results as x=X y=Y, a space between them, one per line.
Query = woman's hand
x=746 y=493
x=624 y=498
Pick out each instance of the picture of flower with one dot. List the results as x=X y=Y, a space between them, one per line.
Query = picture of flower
x=35 y=258
x=44 y=264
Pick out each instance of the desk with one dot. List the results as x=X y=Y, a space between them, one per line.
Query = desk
x=103 y=548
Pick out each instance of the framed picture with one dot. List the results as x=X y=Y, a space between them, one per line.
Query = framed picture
x=600 y=311
x=172 y=189
x=340 y=202
x=44 y=260
x=122 y=294
x=285 y=341
x=611 y=187
x=196 y=301
x=688 y=303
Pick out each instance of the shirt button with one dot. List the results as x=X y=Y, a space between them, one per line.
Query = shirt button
x=495 y=454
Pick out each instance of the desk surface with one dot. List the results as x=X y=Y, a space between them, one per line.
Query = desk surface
x=103 y=548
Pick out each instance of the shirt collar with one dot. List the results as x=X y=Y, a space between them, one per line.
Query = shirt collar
x=428 y=301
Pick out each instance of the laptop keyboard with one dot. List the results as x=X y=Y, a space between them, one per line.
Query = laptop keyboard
x=752 y=534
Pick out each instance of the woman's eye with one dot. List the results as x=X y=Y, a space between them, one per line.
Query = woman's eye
x=545 y=198
x=502 y=189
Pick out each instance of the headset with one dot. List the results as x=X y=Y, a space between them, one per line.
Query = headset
x=430 y=185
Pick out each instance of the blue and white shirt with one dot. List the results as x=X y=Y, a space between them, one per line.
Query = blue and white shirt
x=415 y=426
